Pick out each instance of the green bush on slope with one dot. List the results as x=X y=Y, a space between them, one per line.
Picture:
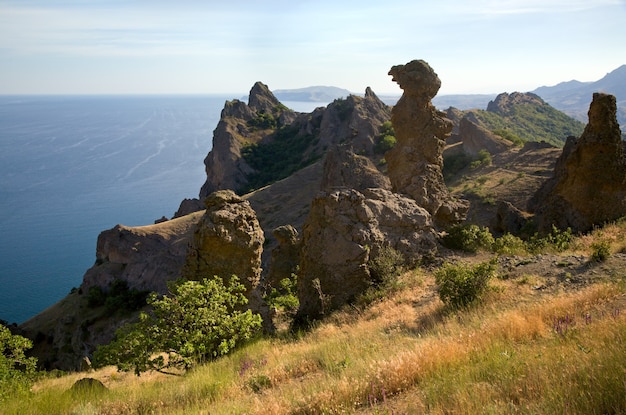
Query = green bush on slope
x=199 y=321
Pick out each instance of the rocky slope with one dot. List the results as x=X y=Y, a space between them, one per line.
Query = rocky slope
x=317 y=186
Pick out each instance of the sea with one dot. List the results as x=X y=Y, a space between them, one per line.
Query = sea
x=73 y=166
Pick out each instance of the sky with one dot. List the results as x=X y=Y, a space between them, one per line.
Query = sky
x=221 y=47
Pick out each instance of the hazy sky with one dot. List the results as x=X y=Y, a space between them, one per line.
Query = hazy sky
x=206 y=46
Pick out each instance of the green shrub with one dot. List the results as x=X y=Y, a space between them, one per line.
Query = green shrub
x=285 y=296
x=263 y=121
x=385 y=265
x=386 y=138
x=509 y=244
x=600 y=251
x=469 y=238
x=119 y=298
x=557 y=240
x=462 y=284
x=385 y=144
x=199 y=321
x=17 y=372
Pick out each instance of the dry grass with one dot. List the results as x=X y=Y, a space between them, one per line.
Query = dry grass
x=517 y=352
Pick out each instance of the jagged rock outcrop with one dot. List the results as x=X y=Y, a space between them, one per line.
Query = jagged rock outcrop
x=345 y=169
x=224 y=165
x=505 y=103
x=285 y=257
x=228 y=240
x=146 y=257
x=344 y=229
x=476 y=138
x=415 y=163
x=589 y=183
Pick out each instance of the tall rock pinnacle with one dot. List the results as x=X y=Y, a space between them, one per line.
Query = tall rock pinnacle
x=416 y=162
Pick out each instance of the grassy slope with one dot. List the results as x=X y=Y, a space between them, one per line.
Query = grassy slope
x=558 y=349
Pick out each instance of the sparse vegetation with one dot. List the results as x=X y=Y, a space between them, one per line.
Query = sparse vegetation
x=386 y=140
x=460 y=285
x=530 y=122
x=118 y=298
x=287 y=152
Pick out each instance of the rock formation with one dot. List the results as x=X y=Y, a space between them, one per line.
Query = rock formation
x=285 y=257
x=146 y=257
x=345 y=169
x=343 y=230
x=415 y=163
x=224 y=165
x=228 y=240
x=589 y=183
x=476 y=138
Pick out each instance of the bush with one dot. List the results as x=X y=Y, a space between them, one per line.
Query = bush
x=285 y=296
x=600 y=251
x=17 y=372
x=119 y=298
x=509 y=244
x=385 y=266
x=461 y=285
x=199 y=321
x=469 y=238
x=557 y=240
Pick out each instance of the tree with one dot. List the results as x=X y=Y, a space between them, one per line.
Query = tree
x=17 y=371
x=199 y=321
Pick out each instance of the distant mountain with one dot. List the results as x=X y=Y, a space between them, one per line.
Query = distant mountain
x=463 y=102
x=574 y=97
x=323 y=94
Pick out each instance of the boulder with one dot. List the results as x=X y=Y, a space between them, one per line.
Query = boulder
x=344 y=228
x=415 y=163
x=228 y=240
x=285 y=257
x=588 y=187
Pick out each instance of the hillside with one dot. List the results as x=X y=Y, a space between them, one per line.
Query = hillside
x=547 y=338
x=526 y=117
x=572 y=97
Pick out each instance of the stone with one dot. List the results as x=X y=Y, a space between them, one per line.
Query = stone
x=345 y=169
x=228 y=240
x=285 y=257
x=588 y=187
x=415 y=163
x=344 y=227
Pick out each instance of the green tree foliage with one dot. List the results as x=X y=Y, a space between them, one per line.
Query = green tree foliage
x=199 y=321
x=462 y=284
x=17 y=372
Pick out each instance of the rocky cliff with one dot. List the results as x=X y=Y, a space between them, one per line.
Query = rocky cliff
x=589 y=183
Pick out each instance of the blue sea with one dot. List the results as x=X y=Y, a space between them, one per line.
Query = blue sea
x=73 y=166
